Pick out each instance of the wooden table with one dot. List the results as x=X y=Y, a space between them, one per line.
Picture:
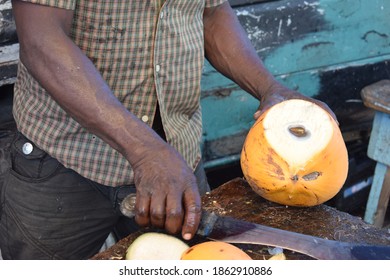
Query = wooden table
x=236 y=199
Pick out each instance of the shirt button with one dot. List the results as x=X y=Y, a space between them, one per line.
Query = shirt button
x=27 y=148
x=158 y=68
x=145 y=118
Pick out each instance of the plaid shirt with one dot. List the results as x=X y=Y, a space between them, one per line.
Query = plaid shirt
x=147 y=55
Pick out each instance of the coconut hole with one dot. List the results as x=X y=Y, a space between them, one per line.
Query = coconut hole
x=299 y=131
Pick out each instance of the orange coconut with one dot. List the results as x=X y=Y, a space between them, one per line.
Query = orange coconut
x=214 y=250
x=295 y=155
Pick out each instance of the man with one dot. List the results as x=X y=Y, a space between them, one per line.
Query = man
x=94 y=78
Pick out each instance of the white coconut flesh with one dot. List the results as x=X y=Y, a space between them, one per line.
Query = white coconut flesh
x=156 y=246
x=297 y=130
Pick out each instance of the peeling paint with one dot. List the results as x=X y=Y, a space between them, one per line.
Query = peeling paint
x=6 y=6
x=279 y=22
x=315 y=44
x=313 y=4
x=280 y=27
x=248 y=14
x=321 y=11
x=281 y=8
x=383 y=35
x=289 y=21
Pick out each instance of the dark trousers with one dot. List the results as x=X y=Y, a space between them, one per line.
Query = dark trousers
x=48 y=211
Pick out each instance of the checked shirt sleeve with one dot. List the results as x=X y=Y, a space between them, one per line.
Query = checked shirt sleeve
x=64 y=4
x=213 y=3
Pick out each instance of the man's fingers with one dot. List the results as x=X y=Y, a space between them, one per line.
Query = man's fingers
x=257 y=114
x=193 y=211
x=174 y=205
x=174 y=213
x=157 y=211
x=142 y=210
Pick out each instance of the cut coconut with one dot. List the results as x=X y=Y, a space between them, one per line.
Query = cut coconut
x=215 y=250
x=297 y=130
x=156 y=246
x=295 y=155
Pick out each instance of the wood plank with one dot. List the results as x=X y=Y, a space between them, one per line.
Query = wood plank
x=379 y=146
x=9 y=58
x=7 y=23
x=295 y=36
x=9 y=49
x=377 y=96
x=383 y=200
x=379 y=196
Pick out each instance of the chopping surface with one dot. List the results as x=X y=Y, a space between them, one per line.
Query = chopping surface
x=236 y=199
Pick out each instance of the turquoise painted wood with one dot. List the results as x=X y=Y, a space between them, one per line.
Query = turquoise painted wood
x=355 y=30
x=379 y=146
x=379 y=150
x=352 y=30
x=318 y=47
x=374 y=213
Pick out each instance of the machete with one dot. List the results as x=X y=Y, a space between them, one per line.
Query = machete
x=230 y=230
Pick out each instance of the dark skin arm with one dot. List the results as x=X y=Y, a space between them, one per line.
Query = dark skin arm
x=229 y=50
x=167 y=193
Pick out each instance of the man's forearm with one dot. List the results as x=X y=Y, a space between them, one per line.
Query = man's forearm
x=230 y=51
x=74 y=82
x=76 y=85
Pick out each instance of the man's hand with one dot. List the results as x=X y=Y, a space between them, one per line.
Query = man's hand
x=167 y=192
x=278 y=93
